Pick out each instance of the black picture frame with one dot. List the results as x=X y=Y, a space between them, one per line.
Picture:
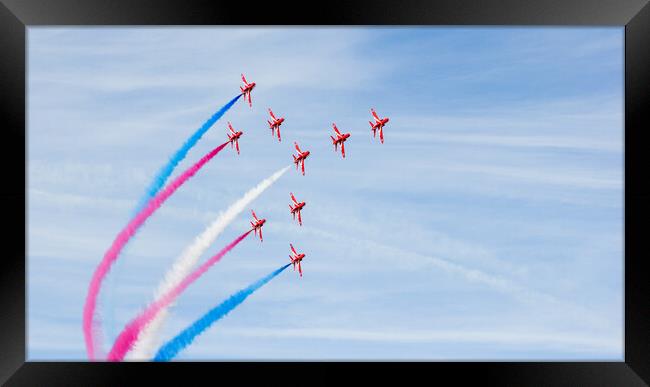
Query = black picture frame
x=17 y=15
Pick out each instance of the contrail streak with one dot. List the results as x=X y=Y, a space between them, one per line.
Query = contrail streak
x=130 y=333
x=91 y=326
x=497 y=282
x=148 y=340
x=167 y=169
x=170 y=349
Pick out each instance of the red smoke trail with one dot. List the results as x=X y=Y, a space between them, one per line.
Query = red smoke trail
x=90 y=326
x=130 y=333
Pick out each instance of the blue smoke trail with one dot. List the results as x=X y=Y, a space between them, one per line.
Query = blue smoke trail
x=170 y=349
x=180 y=154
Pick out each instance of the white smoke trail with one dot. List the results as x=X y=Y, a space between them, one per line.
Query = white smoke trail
x=148 y=340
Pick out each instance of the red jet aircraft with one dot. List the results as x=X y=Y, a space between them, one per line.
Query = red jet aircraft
x=246 y=90
x=340 y=139
x=275 y=124
x=300 y=159
x=296 y=208
x=296 y=259
x=257 y=224
x=378 y=125
x=233 y=137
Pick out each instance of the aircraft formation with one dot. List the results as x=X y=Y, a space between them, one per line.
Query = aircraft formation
x=338 y=139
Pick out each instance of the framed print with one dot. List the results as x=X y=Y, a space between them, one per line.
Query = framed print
x=386 y=189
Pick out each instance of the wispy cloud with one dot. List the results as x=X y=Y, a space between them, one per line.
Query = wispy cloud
x=330 y=66
x=570 y=342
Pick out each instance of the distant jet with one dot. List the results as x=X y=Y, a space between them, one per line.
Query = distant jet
x=257 y=224
x=296 y=208
x=233 y=137
x=246 y=90
x=340 y=139
x=296 y=259
x=378 y=125
x=300 y=159
x=275 y=124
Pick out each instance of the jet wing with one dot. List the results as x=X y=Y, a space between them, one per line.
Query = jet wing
x=374 y=114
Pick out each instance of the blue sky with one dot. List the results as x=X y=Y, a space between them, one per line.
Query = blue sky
x=488 y=226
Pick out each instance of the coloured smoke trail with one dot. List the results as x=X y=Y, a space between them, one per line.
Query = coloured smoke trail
x=91 y=327
x=163 y=174
x=167 y=169
x=132 y=330
x=148 y=340
x=170 y=349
